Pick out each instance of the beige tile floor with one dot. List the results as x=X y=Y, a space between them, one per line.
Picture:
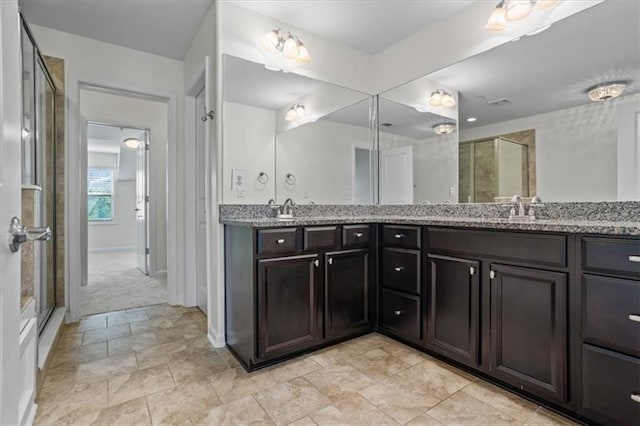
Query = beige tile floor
x=155 y=365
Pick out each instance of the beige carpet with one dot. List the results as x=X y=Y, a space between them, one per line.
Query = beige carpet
x=115 y=283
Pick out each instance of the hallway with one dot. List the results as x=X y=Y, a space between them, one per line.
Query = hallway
x=115 y=283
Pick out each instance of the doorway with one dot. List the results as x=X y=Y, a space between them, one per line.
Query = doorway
x=117 y=190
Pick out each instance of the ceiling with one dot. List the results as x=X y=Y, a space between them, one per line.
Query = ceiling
x=551 y=70
x=367 y=25
x=108 y=140
x=161 y=27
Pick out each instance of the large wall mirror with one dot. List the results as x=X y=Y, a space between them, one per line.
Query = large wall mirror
x=290 y=136
x=527 y=124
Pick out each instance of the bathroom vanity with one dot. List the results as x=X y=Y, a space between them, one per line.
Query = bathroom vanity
x=550 y=313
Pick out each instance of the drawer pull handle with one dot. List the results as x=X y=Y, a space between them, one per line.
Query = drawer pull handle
x=358 y=234
x=316 y=263
x=634 y=317
x=398 y=236
x=635 y=397
x=330 y=260
x=635 y=259
x=397 y=313
x=472 y=270
x=280 y=241
x=398 y=269
x=492 y=274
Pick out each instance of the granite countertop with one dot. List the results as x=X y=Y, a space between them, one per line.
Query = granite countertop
x=542 y=225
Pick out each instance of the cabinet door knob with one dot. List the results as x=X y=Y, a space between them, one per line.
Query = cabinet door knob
x=399 y=236
x=472 y=270
x=634 y=317
x=358 y=234
x=316 y=262
x=635 y=259
x=397 y=313
x=635 y=397
x=330 y=260
x=280 y=241
x=398 y=269
x=492 y=274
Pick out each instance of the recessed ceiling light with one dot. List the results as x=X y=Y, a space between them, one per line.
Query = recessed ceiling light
x=471 y=119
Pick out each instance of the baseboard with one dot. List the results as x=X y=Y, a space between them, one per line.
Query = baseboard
x=216 y=339
x=30 y=418
x=158 y=274
x=112 y=249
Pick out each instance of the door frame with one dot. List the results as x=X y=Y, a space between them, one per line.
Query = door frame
x=74 y=154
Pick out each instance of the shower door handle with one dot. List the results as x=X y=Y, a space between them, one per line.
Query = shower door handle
x=21 y=234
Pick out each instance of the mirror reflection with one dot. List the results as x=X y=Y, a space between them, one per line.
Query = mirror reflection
x=290 y=136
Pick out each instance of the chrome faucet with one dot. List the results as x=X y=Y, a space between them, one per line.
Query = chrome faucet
x=519 y=209
x=518 y=203
x=286 y=209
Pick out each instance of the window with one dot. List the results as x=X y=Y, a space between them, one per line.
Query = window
x=100 y=194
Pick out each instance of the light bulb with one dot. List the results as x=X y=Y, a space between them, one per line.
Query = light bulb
x=518 y=9
x=290 y=49
x=300 y=112
x=448 y=101
x=303 y=54
x=436 y=99
x=497 y=21
x=291 y=114
x=546 y=4
x=270 y=40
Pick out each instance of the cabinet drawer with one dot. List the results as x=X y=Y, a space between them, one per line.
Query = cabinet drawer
x=613 y=256
x=401 y=269
x=401 y=236
x=321 y=237
x=355 y=235
x=401 y=314
x=611 y=309
x=609 y=381
x=272 y=241
x=536 y=249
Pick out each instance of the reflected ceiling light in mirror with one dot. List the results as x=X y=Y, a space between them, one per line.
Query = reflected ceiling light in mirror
x=514 y=10
x=497 y=20
x=518 y=9
x=296 y=112
x=606 y=91
x=441 y=98
x=132 y=143
x=444 y=129
x=290 y=46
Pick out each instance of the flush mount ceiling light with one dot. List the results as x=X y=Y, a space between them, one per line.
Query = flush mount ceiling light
x=441 y=97
x=444 y=129
x=606 y=91
x=514 y=10
x=471 y=119
x=296 y=112
x=132 y=143
x=291 y=47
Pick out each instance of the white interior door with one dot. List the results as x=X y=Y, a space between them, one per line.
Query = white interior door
x=396 y=176
x=201 y=205
x=17 y=389
x=142 y=205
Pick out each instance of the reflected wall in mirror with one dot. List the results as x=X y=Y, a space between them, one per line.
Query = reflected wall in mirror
x=418 y=144
x=290 y=136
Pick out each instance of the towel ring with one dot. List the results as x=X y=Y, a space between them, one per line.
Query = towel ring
x=263 y=178
x=290 y=179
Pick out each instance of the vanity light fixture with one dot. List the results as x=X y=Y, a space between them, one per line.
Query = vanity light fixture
x=291 y=47
x=441 y=98
x=514 y=10
x=132 y=143
x=444 y=129
x=606 y=91
x=296 y=112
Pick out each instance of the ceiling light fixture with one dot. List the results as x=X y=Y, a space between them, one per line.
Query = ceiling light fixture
x=606 y=91
x=290 y=46
x=441 y=98
x=471 y=119
x=296 y=112
x=444 y=129
x=514 y=10
x=132 y=143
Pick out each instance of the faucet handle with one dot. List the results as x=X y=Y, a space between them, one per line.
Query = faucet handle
x=536 y=201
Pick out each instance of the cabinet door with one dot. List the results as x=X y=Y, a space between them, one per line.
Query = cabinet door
x=287 y=305
x=453 y=300
x=347 y=292
x=529 y=330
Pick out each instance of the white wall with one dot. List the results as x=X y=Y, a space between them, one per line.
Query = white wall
x=120 y=233
x=249 y=134
x=121 y=110
x=576 y=149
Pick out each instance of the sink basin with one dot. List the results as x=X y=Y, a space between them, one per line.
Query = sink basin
x=522 y=219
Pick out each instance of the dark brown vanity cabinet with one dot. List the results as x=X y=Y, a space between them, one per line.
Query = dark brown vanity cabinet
x=453 y=299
